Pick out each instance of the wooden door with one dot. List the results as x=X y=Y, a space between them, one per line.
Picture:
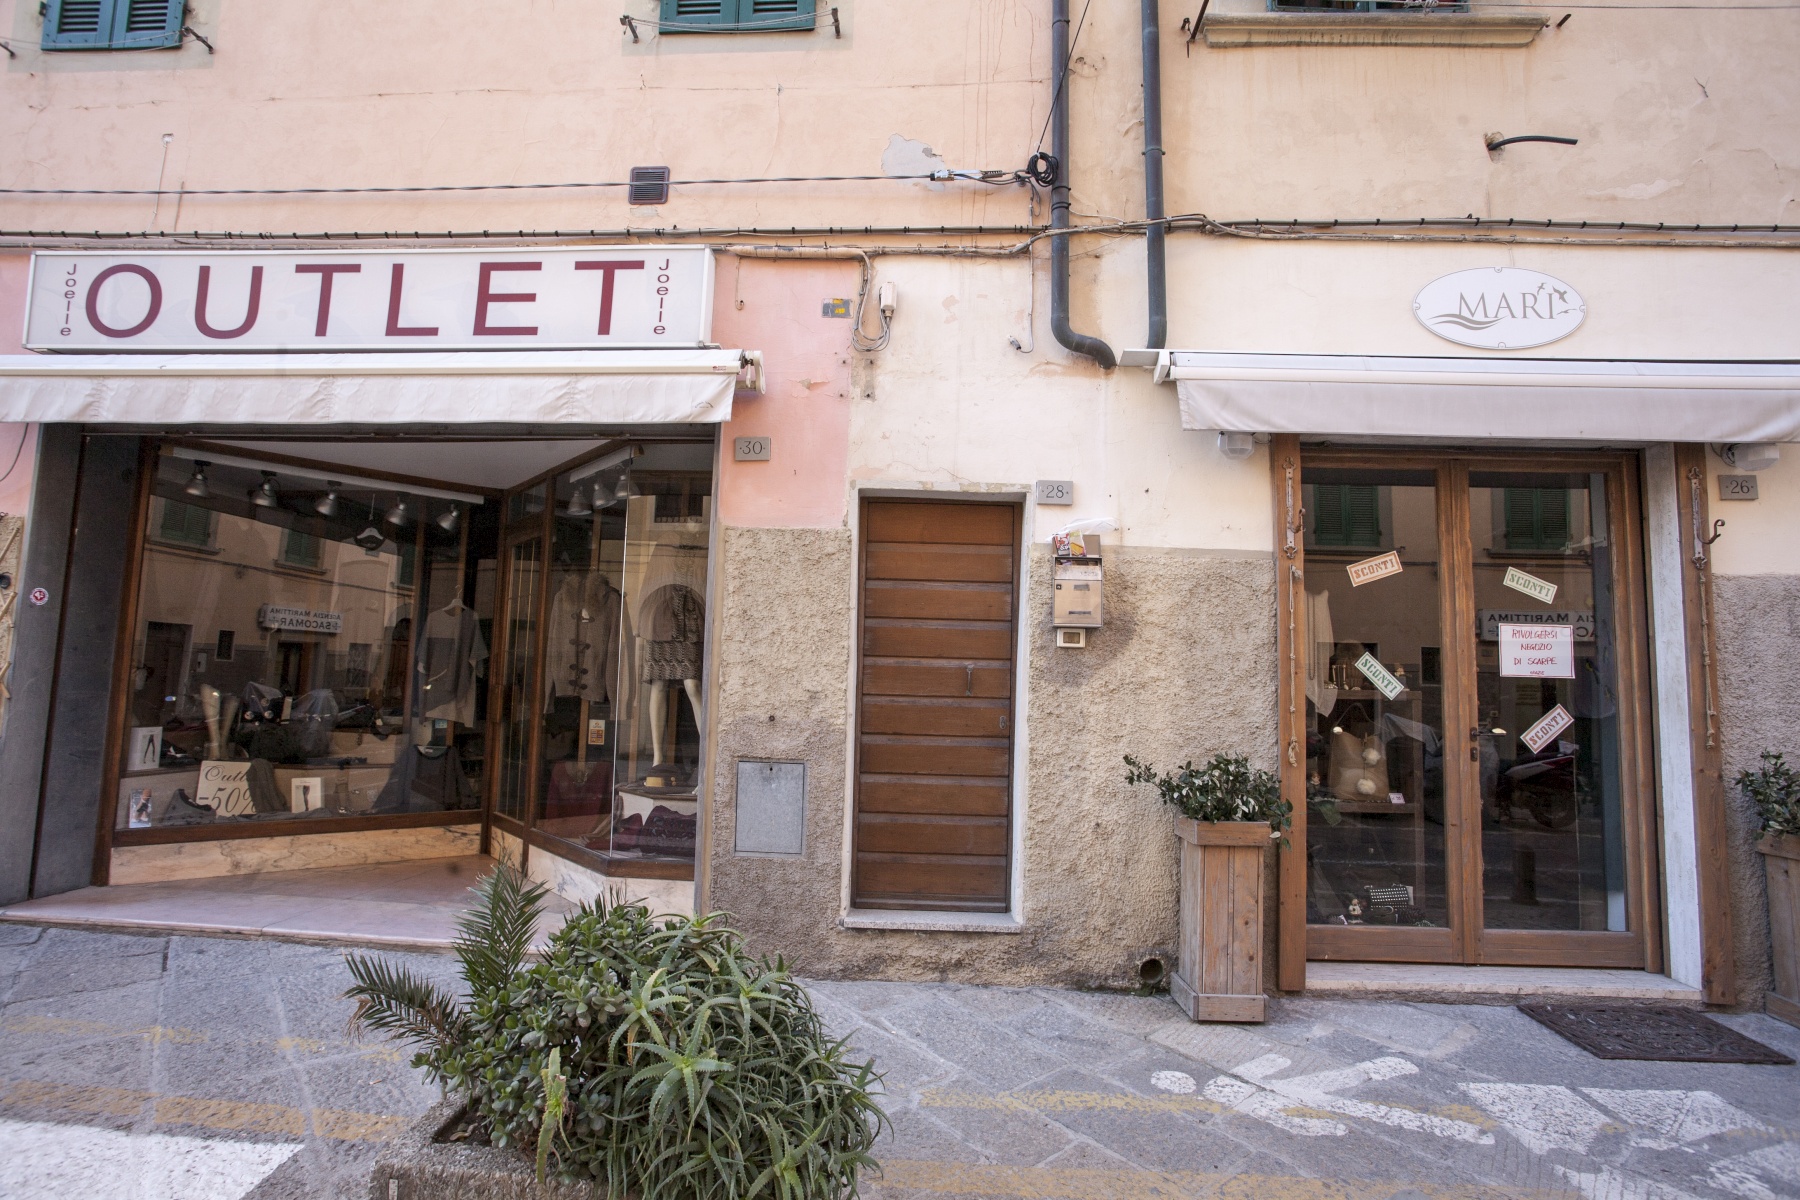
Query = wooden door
x=935 y=712
x=1467 y=802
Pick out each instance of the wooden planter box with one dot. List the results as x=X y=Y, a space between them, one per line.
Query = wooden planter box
x=1220 y=975
x=1781 y=865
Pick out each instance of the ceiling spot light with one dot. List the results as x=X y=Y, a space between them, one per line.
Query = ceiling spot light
x=448 y=521
x=326 y=505
x=579 y=504
x=266 y=495
x=398 y=515
x=623 y=489
x=196 y=487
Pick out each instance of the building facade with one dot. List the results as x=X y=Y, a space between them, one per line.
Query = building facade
x=688 y=527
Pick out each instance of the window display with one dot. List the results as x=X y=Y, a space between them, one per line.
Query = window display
x=305 y=647
x=624 y=653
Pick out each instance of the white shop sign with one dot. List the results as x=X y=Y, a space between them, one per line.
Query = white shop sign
x=1500 y=308
x=1537 y=651
x=328 y=300
x=304 y=620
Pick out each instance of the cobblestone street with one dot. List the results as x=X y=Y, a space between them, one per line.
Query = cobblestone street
x=151 y=1067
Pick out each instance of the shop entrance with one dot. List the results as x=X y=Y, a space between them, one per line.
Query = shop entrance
x=1477 y=781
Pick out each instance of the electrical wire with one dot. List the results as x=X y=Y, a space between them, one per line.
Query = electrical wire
x=1056 y=96
x=985 y=176
x=24 y=432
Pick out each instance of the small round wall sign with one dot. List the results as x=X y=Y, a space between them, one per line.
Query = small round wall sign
x=39 y=597
x=1500 y=308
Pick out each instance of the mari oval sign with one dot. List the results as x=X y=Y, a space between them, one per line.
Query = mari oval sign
x=1500 y=308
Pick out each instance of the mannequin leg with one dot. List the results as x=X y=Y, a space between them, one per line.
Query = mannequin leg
x=659 y=697
x=692 y=688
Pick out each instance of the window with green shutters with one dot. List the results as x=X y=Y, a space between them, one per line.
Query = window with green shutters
x=185 y=524
x=1346 y=514
x=1537 y=518
x=301 y=549
x=112 y=24
x=737 y=16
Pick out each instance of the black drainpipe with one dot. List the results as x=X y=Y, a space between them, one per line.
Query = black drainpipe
x=1156 y=266
x=1080 y=343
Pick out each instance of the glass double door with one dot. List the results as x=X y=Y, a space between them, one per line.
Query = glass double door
x=1474 y=676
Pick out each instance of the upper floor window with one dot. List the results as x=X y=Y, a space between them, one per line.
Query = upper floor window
x=301 y=549
x=737 y=16
x=112 y=24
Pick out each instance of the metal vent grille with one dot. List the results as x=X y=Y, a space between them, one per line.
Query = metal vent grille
x=649 y=185
x=78 y=16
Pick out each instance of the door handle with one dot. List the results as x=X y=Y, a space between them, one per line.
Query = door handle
x=969 y=681
x=1474 y=744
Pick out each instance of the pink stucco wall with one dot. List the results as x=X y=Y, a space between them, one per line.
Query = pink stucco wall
x=775 y=307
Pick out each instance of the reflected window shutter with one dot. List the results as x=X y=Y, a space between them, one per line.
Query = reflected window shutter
x=1363 y=516
x=1328 y=514
x=1521 y=519
x=1554 y=527
x=146 y=24
x=78 y=24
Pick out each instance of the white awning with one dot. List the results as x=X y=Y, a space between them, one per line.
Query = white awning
x=1480 y=398
x=595 y=387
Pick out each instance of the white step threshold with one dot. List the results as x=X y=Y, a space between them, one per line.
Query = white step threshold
x=1505 y=985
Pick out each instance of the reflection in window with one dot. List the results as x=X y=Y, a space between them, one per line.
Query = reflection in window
x=1346 y=515
x=281 y=674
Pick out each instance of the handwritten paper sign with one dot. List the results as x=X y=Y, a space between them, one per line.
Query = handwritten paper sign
x=1375 y=673
x=225 y=788
x=1547 y=727
x=1531 y=585
x=1371 y=569
x=1537 y=651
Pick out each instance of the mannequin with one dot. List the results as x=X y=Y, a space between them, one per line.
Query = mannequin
x=659 y=698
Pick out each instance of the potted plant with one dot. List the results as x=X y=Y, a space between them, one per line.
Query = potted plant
x=1230 y=812
x=1774 y=788
x=639 y=1056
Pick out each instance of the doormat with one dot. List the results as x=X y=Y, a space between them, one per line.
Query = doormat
x=1651 y=1033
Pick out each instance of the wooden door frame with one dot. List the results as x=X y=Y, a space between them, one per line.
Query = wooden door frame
x=1021 y=566
x=511 y=536
x=1468 y=941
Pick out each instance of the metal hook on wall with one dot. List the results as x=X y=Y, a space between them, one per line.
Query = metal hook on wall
x=1716 y=535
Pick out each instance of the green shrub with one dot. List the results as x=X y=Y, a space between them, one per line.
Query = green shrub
x=691 y=1068
x=1775 y=790
x=1227 y=788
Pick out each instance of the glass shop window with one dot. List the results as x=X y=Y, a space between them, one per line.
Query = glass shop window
x=623 y=654
x=290 y=659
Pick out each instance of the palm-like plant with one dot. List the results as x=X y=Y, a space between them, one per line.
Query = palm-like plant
x=660 y=1058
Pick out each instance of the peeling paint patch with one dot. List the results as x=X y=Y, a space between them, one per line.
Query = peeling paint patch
x=906 y=156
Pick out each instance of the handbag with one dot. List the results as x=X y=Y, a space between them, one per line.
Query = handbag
x=1359 y=770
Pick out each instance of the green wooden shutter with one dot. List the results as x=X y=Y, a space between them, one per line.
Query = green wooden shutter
x=1537 y=518
x=146 y=24
x=78 y=24
x=777 y=15
x=188 y=524
x=301 y=549
x=112 y=24
x=1346 y=515
x=746 y=16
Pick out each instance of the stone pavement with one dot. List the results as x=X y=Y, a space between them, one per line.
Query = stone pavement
x=192 y=1067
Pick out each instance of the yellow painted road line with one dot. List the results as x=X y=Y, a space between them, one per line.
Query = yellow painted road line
x=237 y=1116
x=1088 y=1183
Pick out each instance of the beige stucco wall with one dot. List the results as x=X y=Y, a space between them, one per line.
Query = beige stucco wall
x=1181 y=670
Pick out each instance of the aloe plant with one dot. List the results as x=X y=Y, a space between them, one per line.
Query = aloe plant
x=657 y=1057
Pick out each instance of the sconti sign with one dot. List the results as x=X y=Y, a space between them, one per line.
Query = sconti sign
x=550 y=299
x=1500 y=308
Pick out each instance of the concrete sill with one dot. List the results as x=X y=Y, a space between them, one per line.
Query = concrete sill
x=930 y=922
x=1490 y=985
x=1235 y=30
